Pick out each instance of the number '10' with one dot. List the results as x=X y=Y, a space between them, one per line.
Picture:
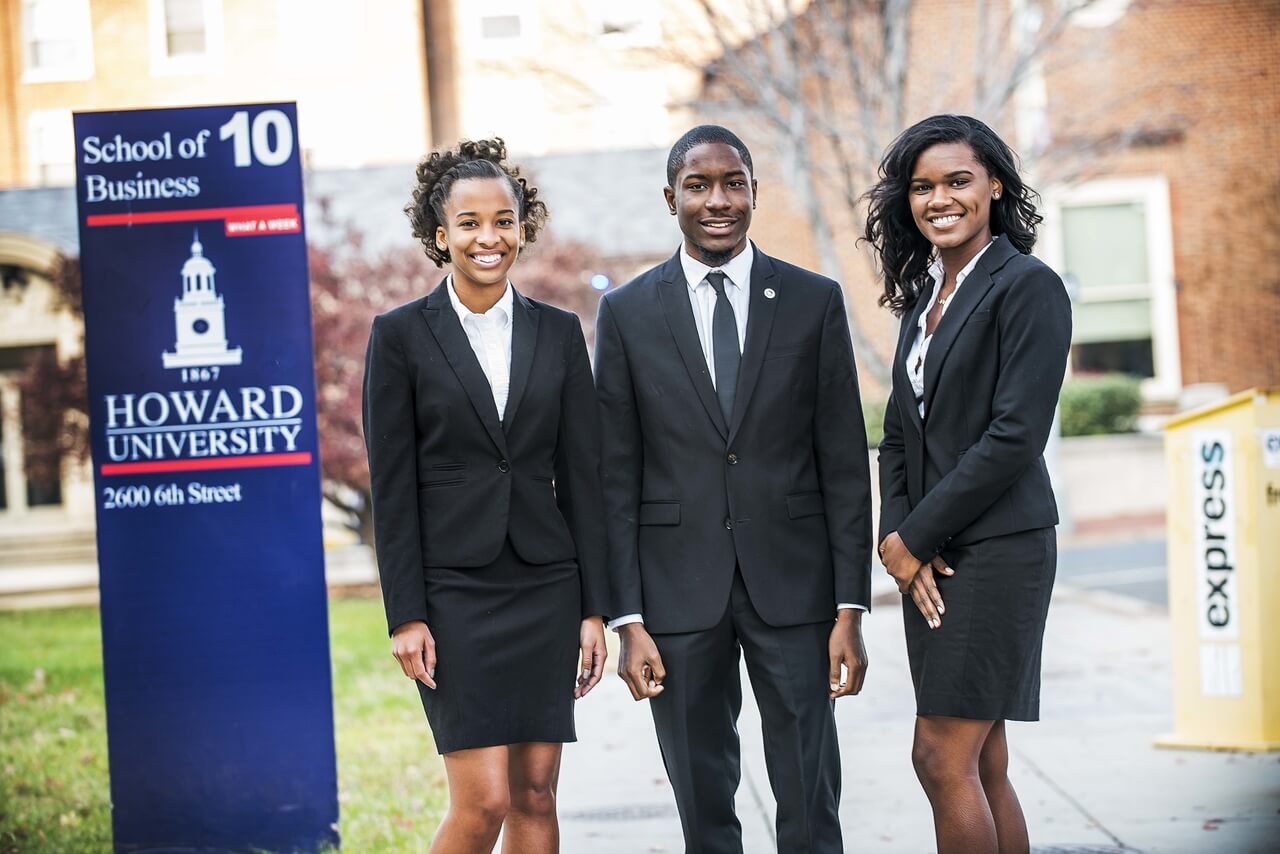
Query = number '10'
x=259 y=137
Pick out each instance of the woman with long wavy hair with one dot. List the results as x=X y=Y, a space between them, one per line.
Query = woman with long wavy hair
x=967 y=510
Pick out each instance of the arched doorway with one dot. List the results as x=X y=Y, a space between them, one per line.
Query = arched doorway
x=46 y=512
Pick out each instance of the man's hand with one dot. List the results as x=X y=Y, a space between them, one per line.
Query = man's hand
x=899 y=561
x=846 y=647
x=415 y=649
x=639 y=663
x=591 y=639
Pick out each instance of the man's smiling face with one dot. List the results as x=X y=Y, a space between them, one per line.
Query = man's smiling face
x=712 y=199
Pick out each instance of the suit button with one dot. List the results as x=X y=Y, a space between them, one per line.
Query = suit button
x=728 y=523
x=504 y=466
x=732 y=458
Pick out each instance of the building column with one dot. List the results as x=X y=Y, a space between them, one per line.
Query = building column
x=15 y=478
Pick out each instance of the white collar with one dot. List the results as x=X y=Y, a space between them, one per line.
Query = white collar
x=936 y=271
x=737 y=270
x=501 y=309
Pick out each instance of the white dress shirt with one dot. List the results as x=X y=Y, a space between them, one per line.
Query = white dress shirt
x=702 y=298
x=490 y=338
x=919 y=352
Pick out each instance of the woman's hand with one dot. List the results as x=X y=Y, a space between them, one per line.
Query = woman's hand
x=594 y=653
x=924 y=591
x=415 y=649
x=899 y=561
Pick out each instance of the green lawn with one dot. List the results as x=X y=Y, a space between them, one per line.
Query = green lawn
x=53 y=744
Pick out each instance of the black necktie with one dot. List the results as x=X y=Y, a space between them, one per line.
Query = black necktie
x=724 y=345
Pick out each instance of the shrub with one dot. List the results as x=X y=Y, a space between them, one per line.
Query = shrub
x=1106 y=403
x=873 y=414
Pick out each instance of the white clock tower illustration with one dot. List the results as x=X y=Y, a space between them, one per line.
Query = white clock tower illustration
x=198 y=316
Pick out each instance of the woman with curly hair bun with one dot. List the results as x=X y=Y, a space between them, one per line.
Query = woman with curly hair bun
x=484 y=450
x=967 y=511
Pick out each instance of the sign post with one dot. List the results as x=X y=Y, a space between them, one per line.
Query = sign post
x=202 y=411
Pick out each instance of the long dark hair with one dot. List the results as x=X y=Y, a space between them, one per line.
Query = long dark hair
x=903 y=252
x=440 y=170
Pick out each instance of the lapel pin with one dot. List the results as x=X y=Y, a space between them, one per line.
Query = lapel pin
x=770 y=293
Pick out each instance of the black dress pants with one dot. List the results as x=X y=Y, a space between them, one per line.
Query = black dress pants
x=696 y=720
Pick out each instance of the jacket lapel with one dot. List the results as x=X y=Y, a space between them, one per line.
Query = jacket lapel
x=673 y=293
x=524 y=339
x=447 y=329
x=902 y=374
x=759 y=326
x=965 y=300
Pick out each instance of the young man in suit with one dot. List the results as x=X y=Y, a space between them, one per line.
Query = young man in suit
x=738 y=504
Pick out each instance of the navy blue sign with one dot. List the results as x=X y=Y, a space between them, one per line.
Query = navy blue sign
x=202 y=407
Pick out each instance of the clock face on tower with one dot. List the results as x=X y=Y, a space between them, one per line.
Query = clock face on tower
x=199 y=318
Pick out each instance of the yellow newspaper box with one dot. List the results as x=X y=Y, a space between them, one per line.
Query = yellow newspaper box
x=1224 y=573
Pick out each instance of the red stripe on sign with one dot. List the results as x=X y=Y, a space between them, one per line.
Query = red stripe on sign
x=192 y=215
x=251 y=461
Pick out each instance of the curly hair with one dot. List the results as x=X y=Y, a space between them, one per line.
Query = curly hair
x=440 y=170
x=902 y=251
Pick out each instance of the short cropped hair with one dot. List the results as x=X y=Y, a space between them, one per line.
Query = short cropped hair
x=701 y=135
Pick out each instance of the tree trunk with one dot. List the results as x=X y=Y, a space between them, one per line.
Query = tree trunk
x=365 y=519
x=870 y=362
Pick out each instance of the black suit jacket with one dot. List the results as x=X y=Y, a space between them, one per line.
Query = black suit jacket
x=973 y=467
x=781 y=490
x=450 y=483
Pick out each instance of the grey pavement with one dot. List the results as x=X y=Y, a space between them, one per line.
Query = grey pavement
x=1133 y=568
x=1088 y=775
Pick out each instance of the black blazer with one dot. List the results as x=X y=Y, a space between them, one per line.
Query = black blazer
x=450 y=483
x=973 y=467
x=782 y=490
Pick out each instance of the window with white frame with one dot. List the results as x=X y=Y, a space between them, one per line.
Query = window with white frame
x=186 y=35
x=51 y=148
x=499 y=27
x=1095 y=14
x=184 y=27
x=1112 y=242
x=57 y=40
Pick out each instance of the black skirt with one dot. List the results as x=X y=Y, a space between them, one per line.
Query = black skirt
x=983 y=663
x=507 y=653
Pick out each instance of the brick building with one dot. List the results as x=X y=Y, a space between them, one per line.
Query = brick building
x=1164 y=224
x=357 y=71
x=1150 y=129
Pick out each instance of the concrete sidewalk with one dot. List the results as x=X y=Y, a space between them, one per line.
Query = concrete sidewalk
x=1088 y=776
